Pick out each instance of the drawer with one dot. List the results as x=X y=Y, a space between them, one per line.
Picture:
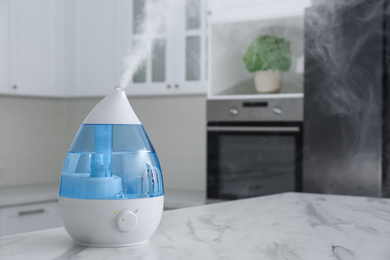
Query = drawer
x=31 y=217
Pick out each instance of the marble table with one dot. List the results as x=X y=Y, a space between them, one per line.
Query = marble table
x=284 y=226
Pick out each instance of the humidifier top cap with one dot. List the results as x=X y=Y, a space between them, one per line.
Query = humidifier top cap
x=113 y=109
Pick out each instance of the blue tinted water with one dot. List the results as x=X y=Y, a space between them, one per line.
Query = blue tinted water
x=111 y=162
x=138 y=173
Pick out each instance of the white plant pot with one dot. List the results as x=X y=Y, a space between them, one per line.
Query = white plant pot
x=268 y=81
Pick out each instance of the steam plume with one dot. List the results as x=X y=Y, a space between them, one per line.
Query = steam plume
x=155 y=19
x=344 y=44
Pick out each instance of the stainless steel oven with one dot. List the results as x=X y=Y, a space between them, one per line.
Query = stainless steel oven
x=253 y=147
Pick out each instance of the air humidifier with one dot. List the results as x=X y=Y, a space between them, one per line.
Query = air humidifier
x=111 y=189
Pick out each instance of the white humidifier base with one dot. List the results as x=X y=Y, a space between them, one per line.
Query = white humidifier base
x=111 y=223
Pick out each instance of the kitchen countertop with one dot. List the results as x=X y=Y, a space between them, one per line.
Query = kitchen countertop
x=10 y=196
x=18 y=195
x=284 y=226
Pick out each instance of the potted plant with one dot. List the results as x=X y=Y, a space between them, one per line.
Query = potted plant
x=268 y=56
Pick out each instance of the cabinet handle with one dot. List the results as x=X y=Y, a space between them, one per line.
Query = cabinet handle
x=168 y=86
x=14 y=87
x=176 y=85
x=30 y=212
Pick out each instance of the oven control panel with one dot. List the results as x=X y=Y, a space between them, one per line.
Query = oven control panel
x=267 y=110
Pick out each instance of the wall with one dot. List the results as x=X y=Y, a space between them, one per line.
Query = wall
x=36 y=133
x=32 y=140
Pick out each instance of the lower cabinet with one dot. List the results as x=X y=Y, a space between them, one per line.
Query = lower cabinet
x=27 y=218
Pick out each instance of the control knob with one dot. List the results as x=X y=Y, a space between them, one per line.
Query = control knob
x=126 y=220
x=233 y=111
x=277 y=110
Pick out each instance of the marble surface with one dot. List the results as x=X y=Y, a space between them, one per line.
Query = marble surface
x=285 y=226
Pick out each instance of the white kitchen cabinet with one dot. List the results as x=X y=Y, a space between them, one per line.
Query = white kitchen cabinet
x=178 y=63
x=155 y=73
x=91 y=58
x=191 y=47
x=99 y=33
x=27 y=218
x=75 y=48
x=34 y=47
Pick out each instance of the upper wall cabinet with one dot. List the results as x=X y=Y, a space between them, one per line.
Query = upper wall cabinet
x=91 y=37
x=178 y=61
x=34 y=47
x=191 y=39
x=154 y=75
x=76 y=48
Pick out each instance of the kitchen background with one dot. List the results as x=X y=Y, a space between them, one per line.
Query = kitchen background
x=58 y=59
x=217 y=133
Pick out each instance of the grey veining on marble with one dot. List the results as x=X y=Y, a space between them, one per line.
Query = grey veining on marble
x=285 y=226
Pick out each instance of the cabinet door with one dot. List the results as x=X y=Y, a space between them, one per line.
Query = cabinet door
x=190 y=45
x=27 y=218
x=34 y=47
x=4 y=7
x=90 y=48
x=154 y=76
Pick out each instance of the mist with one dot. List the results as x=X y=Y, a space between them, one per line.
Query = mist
x=157 y=18
x=344 y=52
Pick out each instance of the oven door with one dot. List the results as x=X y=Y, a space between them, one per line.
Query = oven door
x=248 y=161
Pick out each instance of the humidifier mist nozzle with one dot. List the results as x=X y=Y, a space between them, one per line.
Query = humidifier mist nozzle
x=113 y=109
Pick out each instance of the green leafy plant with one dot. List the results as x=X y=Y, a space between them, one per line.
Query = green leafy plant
x=268 y=53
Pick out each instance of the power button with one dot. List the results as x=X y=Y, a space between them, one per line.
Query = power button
x=126 y=220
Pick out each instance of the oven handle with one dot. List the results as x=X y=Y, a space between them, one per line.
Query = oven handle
x=287 y=129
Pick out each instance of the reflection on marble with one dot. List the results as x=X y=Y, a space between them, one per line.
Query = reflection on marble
x=285 y=226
